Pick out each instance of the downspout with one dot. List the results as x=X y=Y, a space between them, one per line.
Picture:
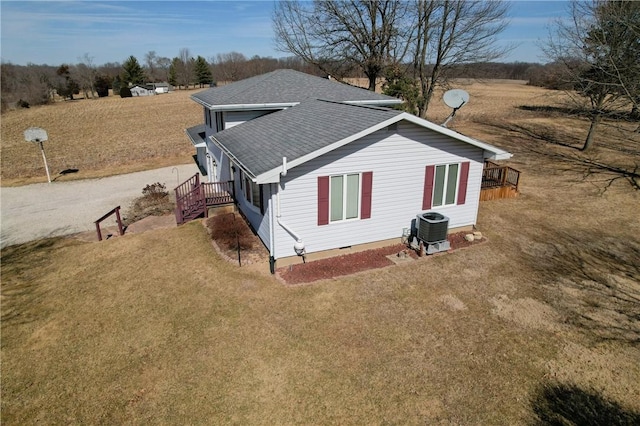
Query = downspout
x=272 y=237
x=298 y=246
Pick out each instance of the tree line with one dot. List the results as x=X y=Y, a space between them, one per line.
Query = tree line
x=31 y=84
x=25 y=85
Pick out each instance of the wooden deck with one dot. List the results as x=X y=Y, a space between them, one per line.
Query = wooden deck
x=499 y=182
x=193 y=198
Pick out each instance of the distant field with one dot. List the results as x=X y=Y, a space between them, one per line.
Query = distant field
x=99 y=136
x=539 y=325
x=113 y=135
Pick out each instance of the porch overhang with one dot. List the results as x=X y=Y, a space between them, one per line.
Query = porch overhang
x=196 y=135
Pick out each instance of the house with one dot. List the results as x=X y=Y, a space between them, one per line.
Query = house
x=160 y=88
x=142 y=90
x=318 y=166
x=233 y=104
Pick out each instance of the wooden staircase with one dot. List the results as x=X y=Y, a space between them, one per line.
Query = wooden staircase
x=193 y=198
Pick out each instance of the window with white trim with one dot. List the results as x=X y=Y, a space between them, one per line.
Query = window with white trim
x=344 y=197
x=445 y=184
x=251 y=190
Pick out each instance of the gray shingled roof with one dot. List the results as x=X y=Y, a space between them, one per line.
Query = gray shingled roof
x=286 y=87
x=196 y=134
x=258 y=145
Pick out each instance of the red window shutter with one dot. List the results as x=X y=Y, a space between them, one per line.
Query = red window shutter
x=464 y=178
x=427 y=195
x=323 y=200
x=365 y=199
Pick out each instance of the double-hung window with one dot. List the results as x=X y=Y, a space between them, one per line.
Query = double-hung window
x=445 y=185
x=344 y=197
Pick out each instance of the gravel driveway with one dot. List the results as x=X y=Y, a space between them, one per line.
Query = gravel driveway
x=42 y=210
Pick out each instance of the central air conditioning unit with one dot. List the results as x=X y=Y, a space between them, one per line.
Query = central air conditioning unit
x=432 y=231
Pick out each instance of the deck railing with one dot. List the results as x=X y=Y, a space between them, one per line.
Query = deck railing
x=187 y=186
x=218 y=192
x=495 y=176
x=193 y=197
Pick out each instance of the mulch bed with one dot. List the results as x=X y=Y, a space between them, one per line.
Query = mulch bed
x=253 y=252
x=357 y=262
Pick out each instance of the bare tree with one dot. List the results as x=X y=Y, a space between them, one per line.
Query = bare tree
x=162 y=68
x=599 y=49
x=186 y=73
x=84 y=73
x=24 y=86
x=450 y=34
x=334 y=35
x=150 y=61
x=229 y=66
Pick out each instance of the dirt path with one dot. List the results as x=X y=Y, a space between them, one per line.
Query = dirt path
x=42 y=210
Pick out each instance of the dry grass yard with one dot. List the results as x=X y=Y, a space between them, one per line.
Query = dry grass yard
x=539 y=325
x=99 y=137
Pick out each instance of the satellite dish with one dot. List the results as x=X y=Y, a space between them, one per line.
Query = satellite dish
x=456 y=99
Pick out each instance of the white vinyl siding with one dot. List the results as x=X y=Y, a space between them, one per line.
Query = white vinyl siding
x=259 y=222
x=397 y=161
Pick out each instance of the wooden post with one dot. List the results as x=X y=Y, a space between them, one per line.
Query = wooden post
x=97 y=222
x=98 y=231
x=120 y=229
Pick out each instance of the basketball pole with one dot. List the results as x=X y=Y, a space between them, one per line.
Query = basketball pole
x=44 y=157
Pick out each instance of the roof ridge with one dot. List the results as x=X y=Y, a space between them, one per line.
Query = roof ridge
x=349 y=103
x=258 y=80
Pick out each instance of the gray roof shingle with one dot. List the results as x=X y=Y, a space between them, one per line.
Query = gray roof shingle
x=196 y=134
x=259 y=144
x=286 y=86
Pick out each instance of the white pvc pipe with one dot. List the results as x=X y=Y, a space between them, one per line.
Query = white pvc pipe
x=299 y=245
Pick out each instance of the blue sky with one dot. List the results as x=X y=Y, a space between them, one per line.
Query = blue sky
x=56 y=32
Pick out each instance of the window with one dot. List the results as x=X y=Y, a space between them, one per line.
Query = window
x=344 y=197
x=251 y=190
x=219 y=122
x=445 y=185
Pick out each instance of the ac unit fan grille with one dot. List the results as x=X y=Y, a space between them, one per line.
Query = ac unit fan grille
x=432 y=227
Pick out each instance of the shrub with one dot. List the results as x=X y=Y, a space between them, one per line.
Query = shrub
x=154 y=202
x=125 y=92
x=155 y=191
x=230 y=231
